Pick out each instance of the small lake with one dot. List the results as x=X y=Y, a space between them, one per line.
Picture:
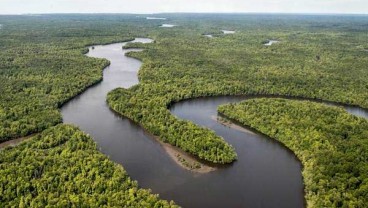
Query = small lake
x=209 y=36
x=155 y=18
x=270 y=42
x=168 y=25
x=228 y=31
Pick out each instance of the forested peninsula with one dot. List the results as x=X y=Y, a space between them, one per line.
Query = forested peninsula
x=330 y=143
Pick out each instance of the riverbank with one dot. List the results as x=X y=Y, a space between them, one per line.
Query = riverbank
x=15 y=142
x=227 y=123
x=184 y=159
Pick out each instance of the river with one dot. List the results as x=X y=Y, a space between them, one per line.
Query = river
x=265 y=175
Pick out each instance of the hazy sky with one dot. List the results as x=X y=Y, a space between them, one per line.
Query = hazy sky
x=157 y=6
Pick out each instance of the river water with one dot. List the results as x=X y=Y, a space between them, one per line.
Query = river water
x=265 y=175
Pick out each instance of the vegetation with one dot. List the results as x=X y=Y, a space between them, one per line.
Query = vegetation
x=190 y=165
x=61 y=167
x=331 y=144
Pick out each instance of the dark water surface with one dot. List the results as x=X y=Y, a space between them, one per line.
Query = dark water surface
x=265 y=175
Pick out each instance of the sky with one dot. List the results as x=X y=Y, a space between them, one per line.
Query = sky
x=162 y=6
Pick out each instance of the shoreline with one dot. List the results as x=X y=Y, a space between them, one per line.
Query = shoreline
x=228 y=123
x=184 y=159
x=15 y=142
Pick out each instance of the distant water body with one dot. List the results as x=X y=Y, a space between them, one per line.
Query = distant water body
x=168 y=25
x=228 y=31
x=155 y=18
x=270 y=42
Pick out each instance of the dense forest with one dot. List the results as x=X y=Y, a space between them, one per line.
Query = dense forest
x=61 y=167
x=42 y=66
x=331 y=144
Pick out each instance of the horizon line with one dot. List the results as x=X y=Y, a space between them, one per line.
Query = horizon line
x=158 y=13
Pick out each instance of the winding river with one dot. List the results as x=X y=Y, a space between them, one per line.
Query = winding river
x=265 y=175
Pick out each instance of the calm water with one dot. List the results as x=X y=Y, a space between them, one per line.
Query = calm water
x=266 y=174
